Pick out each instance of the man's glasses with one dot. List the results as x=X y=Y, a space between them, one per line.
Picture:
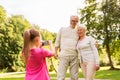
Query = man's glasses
x=74 y=21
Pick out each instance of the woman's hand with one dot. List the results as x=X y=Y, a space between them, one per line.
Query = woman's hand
x=97 y=67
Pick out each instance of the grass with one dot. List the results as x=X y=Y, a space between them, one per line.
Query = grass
x=11 y=79
x=103 y=73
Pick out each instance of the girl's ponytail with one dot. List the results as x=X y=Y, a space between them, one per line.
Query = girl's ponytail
x=28 y=36
x=26 y=46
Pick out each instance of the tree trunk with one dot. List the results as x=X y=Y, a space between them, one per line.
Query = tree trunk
x=107 y=37
x=109 y=57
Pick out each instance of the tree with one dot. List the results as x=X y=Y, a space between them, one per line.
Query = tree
x=115 y=49
x=19 y=25
x=11 y=30
x=102 y=20
x=2 y=15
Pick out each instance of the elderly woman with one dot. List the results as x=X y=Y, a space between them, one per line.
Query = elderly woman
x=88 y=53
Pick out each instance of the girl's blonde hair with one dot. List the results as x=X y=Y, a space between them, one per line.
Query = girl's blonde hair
x=28 y=37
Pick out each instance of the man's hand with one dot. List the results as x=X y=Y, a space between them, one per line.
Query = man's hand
x=56 y=56
x=56 y=53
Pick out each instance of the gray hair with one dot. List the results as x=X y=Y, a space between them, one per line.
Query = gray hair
x=82 y=26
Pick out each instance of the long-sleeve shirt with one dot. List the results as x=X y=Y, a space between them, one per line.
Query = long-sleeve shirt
x=66 y=40
x=87 y=50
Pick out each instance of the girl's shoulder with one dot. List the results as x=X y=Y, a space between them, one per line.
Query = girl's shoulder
x=37 y=49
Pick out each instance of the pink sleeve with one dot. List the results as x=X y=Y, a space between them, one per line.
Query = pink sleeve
x=46 y=53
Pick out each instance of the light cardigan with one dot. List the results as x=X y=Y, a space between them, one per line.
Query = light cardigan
x=66 y=40
x=87 y=50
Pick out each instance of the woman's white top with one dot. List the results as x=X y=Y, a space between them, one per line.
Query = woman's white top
x=87 y=50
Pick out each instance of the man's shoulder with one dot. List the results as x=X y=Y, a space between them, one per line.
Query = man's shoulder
x=64 y=28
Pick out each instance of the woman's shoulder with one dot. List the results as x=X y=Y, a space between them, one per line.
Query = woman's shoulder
x=90 y=37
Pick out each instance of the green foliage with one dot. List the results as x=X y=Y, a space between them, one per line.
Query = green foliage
x=46 y=35
x=10 y=47
x=115 y=49
x=20 y=23
x=11 y=30
x=2 y=15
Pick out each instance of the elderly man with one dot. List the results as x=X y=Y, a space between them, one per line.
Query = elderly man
x=66 y=41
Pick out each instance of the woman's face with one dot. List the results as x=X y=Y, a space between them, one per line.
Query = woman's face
x=81 y=32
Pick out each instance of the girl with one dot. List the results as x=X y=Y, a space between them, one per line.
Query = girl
x=34 y=56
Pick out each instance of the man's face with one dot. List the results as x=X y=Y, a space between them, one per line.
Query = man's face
x=73 y=21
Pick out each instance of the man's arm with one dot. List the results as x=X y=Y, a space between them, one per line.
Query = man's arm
x=56 y=52
x=57 y=43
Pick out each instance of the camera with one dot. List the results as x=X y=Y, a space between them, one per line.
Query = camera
x=45 y=43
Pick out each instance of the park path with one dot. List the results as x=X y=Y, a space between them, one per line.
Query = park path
x=4 y=75
x=79 y=79
x=84 y=79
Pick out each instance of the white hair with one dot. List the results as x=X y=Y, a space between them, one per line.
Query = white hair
x=82 y=26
